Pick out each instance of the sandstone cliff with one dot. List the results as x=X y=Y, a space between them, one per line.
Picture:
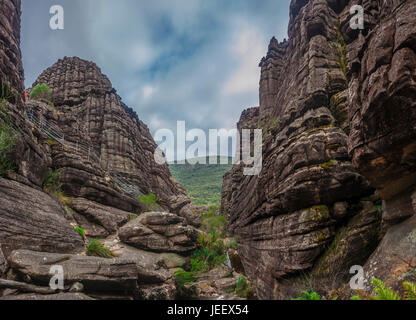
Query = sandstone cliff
x=104 y=156
x=337 y=113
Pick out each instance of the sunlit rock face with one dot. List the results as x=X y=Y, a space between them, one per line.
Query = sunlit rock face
x=338 y=119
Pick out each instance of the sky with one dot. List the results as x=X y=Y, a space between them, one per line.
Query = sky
x=170 y=60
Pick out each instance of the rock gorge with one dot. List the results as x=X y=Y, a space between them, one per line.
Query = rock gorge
x=337 y=186
x=105 y=158
x=337 y=109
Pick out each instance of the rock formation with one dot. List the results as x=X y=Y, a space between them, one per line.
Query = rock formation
x=11 y=67
x=102 y=159
x=337 y=113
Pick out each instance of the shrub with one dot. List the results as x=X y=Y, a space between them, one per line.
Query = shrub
x=243 y=288
x=150 y=200
x=384 y=293
x=309 y=295
x=183 y=277
x=41 y=91
x=96 y=248
x=52 y=183
x=7 y=146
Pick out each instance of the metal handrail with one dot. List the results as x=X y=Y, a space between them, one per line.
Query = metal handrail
x=57 y=135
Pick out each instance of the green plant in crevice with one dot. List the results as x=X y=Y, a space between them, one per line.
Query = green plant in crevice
x=7 y=143
x=96 y=248
x=243 y=288
x=52 y=183
x=41 y=91
x=150 y=201
x=341 y=50
x=80 y=231
x=7 y=147
x=309 y=295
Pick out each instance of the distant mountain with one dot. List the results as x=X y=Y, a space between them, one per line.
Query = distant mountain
x=203 y=182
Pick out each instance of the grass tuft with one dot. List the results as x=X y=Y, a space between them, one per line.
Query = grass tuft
x=96 y=248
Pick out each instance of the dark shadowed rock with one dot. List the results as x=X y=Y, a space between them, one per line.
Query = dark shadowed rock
x=31 y=219
x=96 y=274
x=159 y=232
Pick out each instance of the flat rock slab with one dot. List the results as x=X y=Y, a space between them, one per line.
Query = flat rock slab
x=160 y=232
x=50 y=297
x=96 y=274
x=107 y=217
x=31 y=219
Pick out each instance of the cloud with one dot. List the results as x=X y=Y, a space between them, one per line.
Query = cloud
x=248 y=49
x=170 y=60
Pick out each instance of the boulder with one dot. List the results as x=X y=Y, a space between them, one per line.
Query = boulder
x=31 y=219
x=106 y=217
x=159 y=232
x=95 y=274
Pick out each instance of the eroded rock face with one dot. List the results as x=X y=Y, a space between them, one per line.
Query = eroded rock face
x=91 y=112
x=337 y=113
x=394 y=261
x=287 y=216
x=95 y=274
x=98 y=216
x=159 y=232
x=11 y=67
x=33 y=220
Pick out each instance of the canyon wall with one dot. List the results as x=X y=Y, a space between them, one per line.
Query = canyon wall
x=338 y=120
x=79 y=160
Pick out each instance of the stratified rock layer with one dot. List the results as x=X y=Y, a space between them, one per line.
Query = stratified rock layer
x=337 y=113
x=90 y=112
x=159 y=232
x=31 y=219
x=96 y=274
x=11 y=67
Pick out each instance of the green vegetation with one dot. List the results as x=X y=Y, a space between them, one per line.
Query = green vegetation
x=96 y=248
x=7 y=142
x=384 y=293
x=133 y=217
x=267 y=125
x=328 y=164
x=203 y=182
x=41 y=91
x=81 y=231
x=211 y=251
x=309 y=295
x=7 y=146
x=150 y=201
x=52 y=183
x=341 y=50
x=243 y=288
